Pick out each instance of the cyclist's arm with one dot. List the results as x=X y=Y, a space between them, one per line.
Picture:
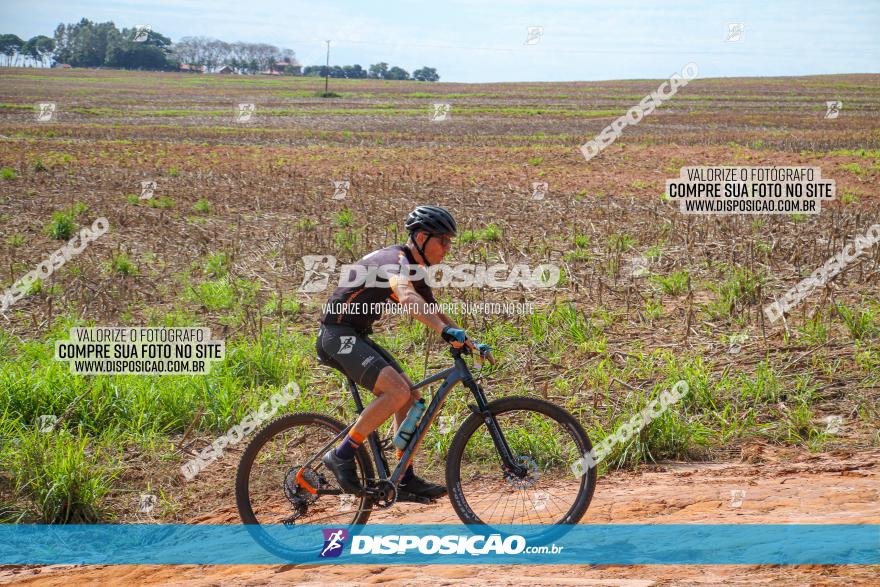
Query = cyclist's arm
x=416 y=304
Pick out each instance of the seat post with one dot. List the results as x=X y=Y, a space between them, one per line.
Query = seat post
x=352 y=386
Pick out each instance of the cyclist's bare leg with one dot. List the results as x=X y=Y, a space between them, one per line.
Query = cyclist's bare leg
x=393 y=397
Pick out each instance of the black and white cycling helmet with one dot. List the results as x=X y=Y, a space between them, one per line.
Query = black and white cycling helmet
x=431 y=219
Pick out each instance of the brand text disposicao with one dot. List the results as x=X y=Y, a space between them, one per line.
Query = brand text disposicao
x=473 y=545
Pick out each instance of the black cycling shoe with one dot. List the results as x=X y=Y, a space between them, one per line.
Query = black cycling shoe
x=345 y=472
x=421 y=488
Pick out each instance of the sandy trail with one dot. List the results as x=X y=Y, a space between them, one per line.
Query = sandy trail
x=778 y=488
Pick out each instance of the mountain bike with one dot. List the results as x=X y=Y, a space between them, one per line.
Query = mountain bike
x=509 y=463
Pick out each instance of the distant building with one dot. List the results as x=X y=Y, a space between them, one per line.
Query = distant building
x=224 y=69
x=287 y=68
x=192 y=68
x=62 y=65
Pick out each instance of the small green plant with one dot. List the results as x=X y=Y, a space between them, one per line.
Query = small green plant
x=343 y=218
x=306 y=224
x=536 y=161
x=217 y=264
x=15 y=240
x=621 y=242
x=121 y=264
x=849 y=198
x=582 y=241
x=7 y=173
x=62 y=226
x=37 y=165
x=162 y=203
x=673 y=284
x=653 y=310
x=173 y=172
x=203 y=206
x=740 y=287
x=654 y=252
x=861 y=323
x=132 y=199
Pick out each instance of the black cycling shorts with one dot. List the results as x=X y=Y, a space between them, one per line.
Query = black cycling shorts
x=353 y=353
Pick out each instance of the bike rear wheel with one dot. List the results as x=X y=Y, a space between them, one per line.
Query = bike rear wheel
x=543 y=438
x=272 y=487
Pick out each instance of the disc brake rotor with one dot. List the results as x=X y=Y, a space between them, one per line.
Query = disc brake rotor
x=529 y=479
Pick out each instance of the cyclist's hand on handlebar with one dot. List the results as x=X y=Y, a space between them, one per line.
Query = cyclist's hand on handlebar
x=485 y=352
x=455 y=337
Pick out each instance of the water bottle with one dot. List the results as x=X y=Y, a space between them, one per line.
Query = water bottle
x=408 y=428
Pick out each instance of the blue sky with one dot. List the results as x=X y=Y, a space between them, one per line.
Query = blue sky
x=484 y=40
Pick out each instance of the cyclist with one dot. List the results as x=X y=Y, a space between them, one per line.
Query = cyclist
x=346 y=322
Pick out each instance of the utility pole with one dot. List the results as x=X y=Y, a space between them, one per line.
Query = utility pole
x=327 y=71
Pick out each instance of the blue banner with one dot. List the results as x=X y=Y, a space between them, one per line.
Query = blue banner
x=618 y=544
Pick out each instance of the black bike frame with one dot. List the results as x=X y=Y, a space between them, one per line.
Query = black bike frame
x=458 y=372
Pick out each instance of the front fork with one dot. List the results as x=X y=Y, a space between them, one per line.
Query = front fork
x=481 y=409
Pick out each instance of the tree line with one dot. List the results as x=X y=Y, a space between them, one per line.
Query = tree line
x=93 y=44
x=376 y=71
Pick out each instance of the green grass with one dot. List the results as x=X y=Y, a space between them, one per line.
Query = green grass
x=7 y=173
x=62 y=226
x=120 y=263
x=343 y=218
x=162 y=203
x=203 y=206
x=674 y=284
x=739 y=289
x=61 y=476
x=16 y=240
x=491 y=233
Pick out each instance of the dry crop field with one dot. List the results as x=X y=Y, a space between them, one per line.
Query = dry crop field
x=647 y=295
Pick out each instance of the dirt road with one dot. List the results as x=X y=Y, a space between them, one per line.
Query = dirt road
x=767 y=487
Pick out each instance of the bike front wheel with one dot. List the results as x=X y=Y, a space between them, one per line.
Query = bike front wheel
x=545 y=440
